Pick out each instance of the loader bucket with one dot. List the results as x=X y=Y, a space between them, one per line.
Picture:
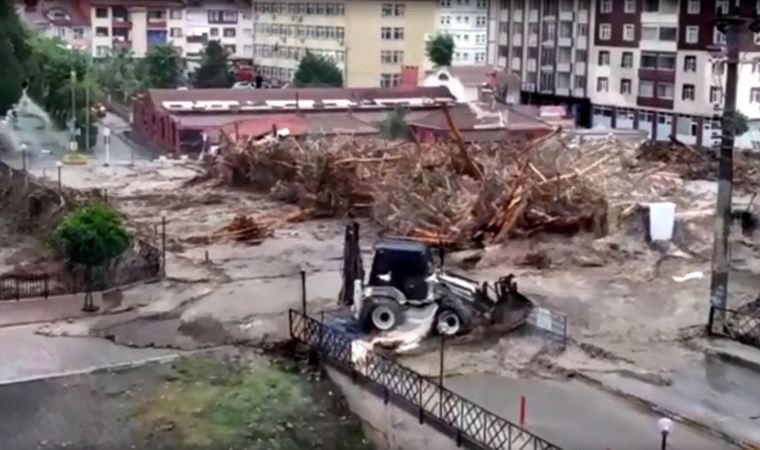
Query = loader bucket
x=512 y=308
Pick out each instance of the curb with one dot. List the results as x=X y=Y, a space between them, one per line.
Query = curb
x=696 y=424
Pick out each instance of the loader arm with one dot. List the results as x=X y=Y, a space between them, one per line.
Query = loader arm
x=353 y=269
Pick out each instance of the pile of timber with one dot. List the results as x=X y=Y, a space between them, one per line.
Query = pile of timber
x=446 y=193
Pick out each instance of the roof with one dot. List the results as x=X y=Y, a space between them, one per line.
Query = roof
x=145 y=3
x=461 y=114
x=470 y=75
x=61 y=13
x=259 y=97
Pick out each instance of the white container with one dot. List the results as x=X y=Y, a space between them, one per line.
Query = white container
x=662 y=217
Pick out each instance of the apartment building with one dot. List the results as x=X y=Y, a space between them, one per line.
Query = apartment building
x=656 y=66
x=375 y=43
x=467 y=23
x=546 y=44
x=187 y=24
x=57 y=19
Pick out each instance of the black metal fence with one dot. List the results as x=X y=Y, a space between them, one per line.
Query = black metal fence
x=16 y=287
x=739 y=326
x=453 y=414
x=550 y=323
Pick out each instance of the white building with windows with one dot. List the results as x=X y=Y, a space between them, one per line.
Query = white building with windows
x=467 y=23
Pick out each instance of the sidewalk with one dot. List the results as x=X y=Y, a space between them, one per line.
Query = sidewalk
x=48 y=310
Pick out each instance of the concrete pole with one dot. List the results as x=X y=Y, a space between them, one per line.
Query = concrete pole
x=720 y=259
x=107 y=144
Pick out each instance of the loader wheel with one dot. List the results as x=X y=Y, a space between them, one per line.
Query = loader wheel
x=453 y=318
x=381 y=313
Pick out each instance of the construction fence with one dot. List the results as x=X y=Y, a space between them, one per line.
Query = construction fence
x=736 y=325
x=454 y=415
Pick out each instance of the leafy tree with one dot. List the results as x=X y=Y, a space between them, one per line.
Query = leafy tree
x=163 y=67
x=440 y=49
x=13 y=55
x=317 y=71
x=121 y=74
x=92 y=235
x=214 y=70
x=394 y=126
x=738 y=120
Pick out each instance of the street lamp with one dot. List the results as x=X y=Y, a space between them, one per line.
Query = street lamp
x=664 y=425
x=163 y=243
x=107 y=143
x=58 y=166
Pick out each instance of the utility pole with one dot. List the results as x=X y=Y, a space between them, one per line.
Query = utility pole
x=732 y=25
x=72 y=128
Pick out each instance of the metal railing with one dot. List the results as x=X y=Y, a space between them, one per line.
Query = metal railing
x=739 y=326
x=450 y=412
x=550 y=323
x=16 y=287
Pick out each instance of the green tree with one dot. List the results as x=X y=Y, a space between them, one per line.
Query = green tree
x=92 y=235
x=317 y=71
x=214 y=70
x=163 y=67
x=13 y=56
x=394 y=126
x=738 y=120
x=440 y=49
x=121 y=74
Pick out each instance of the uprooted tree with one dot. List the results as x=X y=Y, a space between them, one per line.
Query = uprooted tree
x=91 y=236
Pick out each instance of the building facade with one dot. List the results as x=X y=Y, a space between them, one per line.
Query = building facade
x=657 y=66
x=58 y=19
x=373 y=42
x=467 y=23
x=546 y=43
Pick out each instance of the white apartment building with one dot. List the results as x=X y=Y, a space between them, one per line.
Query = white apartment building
x=467 y=23
x=139 y=24
x=656 y=66
x=58 y=19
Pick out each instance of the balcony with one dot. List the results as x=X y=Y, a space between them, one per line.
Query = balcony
x=121 y=42
x=121 y=22
x=652 y=102
x=657 y=75
x=201 y=39
x=156 y=24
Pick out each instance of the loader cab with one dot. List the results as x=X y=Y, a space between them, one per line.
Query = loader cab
x=403 y=264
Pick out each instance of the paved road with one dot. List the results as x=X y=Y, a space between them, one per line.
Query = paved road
x=575 y=415
x=25 y=355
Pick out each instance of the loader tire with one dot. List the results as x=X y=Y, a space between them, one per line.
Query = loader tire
x=380 y=313
x=453 y=317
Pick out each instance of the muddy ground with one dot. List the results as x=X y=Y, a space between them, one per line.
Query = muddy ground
x=629 y=310
x=221 y=399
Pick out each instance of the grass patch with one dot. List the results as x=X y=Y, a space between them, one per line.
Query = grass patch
x=209 y=404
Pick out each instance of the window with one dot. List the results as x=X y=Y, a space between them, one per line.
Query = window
x=565 y=29
x=604 y=58
x=717 y=69
x=756 y=38
x=602 y=84
x=625 y=86
x=721 y=6
x=399 y=9
x=652 y=6
x=445 y=20
x=391 y=57
x=692 y=34
x=649 y=33
x=386 y=33
x=446 y=3
x=580 y=55
x=78 y=33
x=605 y=7
x=630 y=6
x=718 y=37
x=629 y=32
x=666 y=61
x=229 y=32
x=605 y=31
x=668 y=34
x=230 y=49
x=564 y=55
x=687 y=92
x=217 y=16
x=156 y=14
x=563 y=80
x=754 y=95
x=398 y=34
x=213 y=32
x=248 y=50
x=176 y=32
x=101 y=13
x=480 y=57
x=646 y=88
x=582 y=30
x=715 y=95
x=690 y=63
x=665 y=90
x=175 y=14
x=481 y=4
x=480 y=21
x=648 y=61
x=101 y=31
x=102 y=50
x=390 y=80
x=580 y=82
x=627 y=60
x=248 y=32
x=386 y=9
x=693 y=7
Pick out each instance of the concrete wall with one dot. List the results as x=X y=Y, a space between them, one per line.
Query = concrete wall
x=388 y=426
x=139 y=17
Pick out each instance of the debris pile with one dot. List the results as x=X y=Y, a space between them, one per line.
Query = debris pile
x=443 y=192
x=245 y=229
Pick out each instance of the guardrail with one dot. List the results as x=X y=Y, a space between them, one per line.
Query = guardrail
x=738 y=326
x=453 y=414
